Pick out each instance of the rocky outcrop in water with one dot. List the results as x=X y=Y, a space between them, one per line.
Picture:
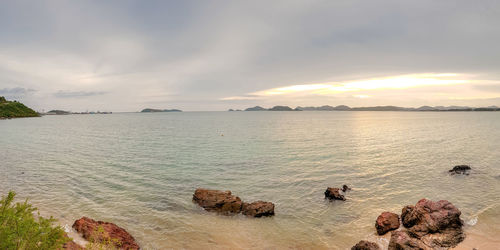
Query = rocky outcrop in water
x=436 y=224
x=258 y=209
x=334 y=194
x=345 y=188
x=386 y=222
x=460 y=169
x=218 y=201
x=105 y=233
x=365 y=245
x=225 y=203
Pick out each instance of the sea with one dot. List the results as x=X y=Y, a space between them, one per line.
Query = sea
x=140 y=170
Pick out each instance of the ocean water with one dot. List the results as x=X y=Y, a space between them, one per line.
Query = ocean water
x=140 y=171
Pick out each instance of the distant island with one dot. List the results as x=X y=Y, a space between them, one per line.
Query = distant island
x=63 y=112
x=148 y=110
x=14 y=109
x=375 y=108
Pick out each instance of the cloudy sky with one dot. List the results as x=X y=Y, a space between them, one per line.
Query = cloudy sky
x=214 y=55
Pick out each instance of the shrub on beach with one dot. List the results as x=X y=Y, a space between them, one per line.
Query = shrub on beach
x=21 y=229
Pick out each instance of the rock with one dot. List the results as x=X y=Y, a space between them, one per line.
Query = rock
x=345 y=188
x=460 y=169
x=437 y=224
x=217 y=201
x=334 y=194
x=386 y=222
x=258 y=209
x=407 y=217
x=105 y=232
x=365 y=245
x=400 y=240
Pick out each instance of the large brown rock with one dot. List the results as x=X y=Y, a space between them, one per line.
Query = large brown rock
x=334 y=194
x=258 y=209
x=386 y=222
x=217 y=201
x=400 y=240
x=437 y=224
x=365 y=245
x=105 y=233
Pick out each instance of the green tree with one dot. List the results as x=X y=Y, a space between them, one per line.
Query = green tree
x=21 y=229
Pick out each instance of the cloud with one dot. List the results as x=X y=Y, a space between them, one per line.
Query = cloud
x=212 y=54
x=17 y=91
x=373 y=84
x=77 y=94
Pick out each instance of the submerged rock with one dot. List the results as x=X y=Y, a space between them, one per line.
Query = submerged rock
x=218 y=201
x=345 y=188
x=400 y=240
x=106 y=233
x=334 y=194
x=365 y=245
x=386 y=222
x=460 y=169
x=258 y=209
x=437 y=224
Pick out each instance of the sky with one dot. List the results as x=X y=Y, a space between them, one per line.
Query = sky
x=121 y=55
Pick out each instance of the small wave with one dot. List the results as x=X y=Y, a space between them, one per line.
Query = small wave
x=472 y=221
x=67 y=228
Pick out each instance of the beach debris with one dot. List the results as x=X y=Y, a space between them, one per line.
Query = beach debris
x=365 y=245
x=460 y=169
x=345 y=188
x=334 y=194
x=386 y=222
x=105 y=233
x=258 y=209
x=218 y=201
x=70 y=244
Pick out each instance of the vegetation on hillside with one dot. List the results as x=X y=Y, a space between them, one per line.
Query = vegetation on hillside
x=14 y=109
x=21 y=229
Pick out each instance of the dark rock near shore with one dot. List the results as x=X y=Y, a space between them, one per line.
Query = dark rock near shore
x=218 y=201
x=400 y=240
x=460 y=169
x=365 y=245
x=258 y=209
x=105 y=232
x=437 y=224
x=386 y=222
x=334 y=194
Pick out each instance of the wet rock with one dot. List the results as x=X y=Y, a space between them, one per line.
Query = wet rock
x=217 y=201
x=365 y=245
x=386 y=222
x=400 y=240
x=105 y=232
x=258 y=209
x=345 y=188
x=437 y=224
x=334 y=194
x=460 y=169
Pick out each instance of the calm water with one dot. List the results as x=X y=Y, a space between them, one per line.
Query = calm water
x=140 y=171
